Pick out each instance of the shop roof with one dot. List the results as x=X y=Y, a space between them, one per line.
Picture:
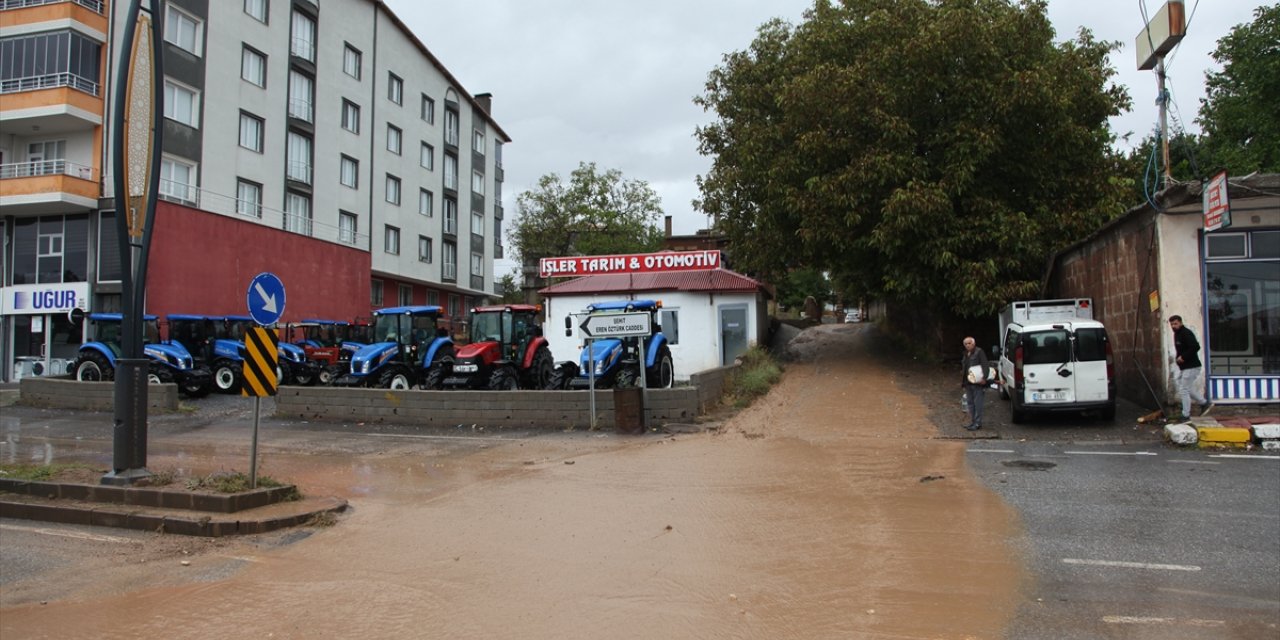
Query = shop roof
x=712 y=280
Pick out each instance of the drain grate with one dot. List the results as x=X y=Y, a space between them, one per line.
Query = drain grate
x=1034 y=465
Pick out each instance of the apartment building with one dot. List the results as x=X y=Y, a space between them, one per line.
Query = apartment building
x=318 y=140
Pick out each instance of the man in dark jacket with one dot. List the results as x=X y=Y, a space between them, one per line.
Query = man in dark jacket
x=974 y=382
x=1187 y=349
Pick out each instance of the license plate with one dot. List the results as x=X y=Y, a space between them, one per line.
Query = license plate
x=1049 y=395
x=465 y=368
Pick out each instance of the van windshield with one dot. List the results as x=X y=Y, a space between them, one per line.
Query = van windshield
x=1046 y=347
x=1091 y=344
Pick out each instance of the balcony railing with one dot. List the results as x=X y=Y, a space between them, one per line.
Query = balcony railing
x=301 y=109
x=49 y=81
x=46 y=168
x=450 y=271
x=451 y=225
x=229 y=205
x=300 y=171
x=92 y=5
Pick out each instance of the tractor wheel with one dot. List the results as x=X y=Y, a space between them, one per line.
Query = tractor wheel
x=562 y=376
x=326 y=375
x=436 y=374
x=226 y=376
x=503 y=379
x=303 y=376
x=540 y=372
x=395 y=378
x=94 y=367
x=196 y=390
x=663 y=373
x=158 y=375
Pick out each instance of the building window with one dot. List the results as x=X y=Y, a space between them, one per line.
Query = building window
x=497 y=153
x=477 y=183
x=248 y=198
x=350 y=116
x=427 y=157
x=351 y=61
x=393 y=190
x=406 y=295
x=428 y=109
x=433 y=297
x=349 y=172
x=251 y=131
x=450 y=171
x=391 y=240
x=253 y=66
x=346 y=227
x=181 y=104
x=297 y=213
x=426 y=202
x=395 y=88
x=394 y=138
x=477 y=141
x=477 y=223
x=302 y=37
x=257 y=9
x=298 y=160
x=375 y=293
x=450 y=216
x=301 y=95
x=182 y=30
x=424 y=249
x=477 y=264
x=450 y=126
x=671 y=325
x=1242 y=301
x=449 y=270
x=178 y=180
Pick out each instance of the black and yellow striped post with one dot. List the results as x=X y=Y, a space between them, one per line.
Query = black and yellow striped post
x=261 y=359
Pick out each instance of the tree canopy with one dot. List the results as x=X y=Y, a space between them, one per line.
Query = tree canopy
x=596 y=213
x=1239 y=112
x=933 y=152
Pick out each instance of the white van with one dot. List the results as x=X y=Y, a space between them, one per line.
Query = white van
x=1055 y=357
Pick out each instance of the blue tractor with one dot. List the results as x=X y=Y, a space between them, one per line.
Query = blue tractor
x=616 y=361
x=293 y=365
x=170 y=361
x=214 y=341
x=408 y=349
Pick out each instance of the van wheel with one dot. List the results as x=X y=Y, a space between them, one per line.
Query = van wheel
x=1109 y=413
x=1004 y=393
x=1019 y=414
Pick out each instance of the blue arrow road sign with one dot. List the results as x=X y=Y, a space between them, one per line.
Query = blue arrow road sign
x=266 y=298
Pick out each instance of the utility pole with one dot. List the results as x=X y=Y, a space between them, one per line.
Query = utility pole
x=1156 y=39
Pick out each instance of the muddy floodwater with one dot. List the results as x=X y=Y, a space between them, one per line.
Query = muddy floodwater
x=829 y=509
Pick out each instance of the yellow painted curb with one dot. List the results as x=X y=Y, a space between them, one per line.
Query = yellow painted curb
x=1223 y=435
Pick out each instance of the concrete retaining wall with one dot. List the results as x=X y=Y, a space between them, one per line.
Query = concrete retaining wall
x=63 y=393
x=710 y=385
x=524 y=409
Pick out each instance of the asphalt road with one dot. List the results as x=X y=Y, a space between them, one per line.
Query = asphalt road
x=1133 y=541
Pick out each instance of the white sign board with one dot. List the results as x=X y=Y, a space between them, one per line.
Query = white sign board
x=616 y=325
x=1217 y=207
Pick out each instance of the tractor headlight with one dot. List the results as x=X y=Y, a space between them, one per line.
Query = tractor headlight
x=600 y=367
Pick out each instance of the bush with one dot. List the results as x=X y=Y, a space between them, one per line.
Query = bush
x=758 y=373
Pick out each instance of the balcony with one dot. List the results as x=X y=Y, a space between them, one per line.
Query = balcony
x=92 y=5
x=50 y=104
x=51 y=186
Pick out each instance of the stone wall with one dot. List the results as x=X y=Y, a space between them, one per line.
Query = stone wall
x=64 y=393
x=518 y=409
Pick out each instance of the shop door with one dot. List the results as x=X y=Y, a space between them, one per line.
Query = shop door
x=733 y=333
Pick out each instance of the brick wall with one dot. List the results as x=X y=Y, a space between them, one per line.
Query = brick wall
x=1118 y=270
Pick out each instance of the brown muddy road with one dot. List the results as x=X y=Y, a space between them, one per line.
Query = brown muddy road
x=827 y=510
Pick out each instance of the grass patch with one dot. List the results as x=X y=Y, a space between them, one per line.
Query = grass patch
x=42 y=472
x=230 y=482
x=758 y=373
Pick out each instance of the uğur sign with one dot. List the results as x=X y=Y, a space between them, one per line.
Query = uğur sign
x=632 y=263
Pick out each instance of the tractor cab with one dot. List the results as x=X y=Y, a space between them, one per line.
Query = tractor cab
x=168 y=361
x=507 y=351
x=195 y=333
x=322 y=342
x=406 y=344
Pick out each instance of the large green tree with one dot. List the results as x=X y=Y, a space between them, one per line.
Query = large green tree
x=595 y=213
x=932 y=152
x=1239 y=112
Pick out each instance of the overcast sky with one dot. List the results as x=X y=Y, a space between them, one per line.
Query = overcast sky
x=613 y=82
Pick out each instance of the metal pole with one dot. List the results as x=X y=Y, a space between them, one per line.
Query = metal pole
x=591 y=382
x=644 y=386
x=253 y=446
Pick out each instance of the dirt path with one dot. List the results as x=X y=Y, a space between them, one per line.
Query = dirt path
x=827 y=510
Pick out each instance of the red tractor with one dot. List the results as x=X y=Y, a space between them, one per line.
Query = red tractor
x=507 y=351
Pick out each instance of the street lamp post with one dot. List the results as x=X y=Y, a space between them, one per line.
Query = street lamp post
x=136 y=137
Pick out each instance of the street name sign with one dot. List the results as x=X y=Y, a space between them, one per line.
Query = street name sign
x=266 y=298
x=616 y=325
